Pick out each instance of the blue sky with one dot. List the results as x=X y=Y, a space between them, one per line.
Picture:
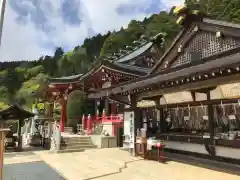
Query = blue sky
x=33 y=28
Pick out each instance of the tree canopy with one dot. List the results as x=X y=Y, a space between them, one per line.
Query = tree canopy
x=20 y=79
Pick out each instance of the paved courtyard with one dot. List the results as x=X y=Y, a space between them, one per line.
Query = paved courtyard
x=28 y=166
x=103 y=164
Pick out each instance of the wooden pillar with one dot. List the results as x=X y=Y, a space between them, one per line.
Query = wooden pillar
x=159 y=114
x=210 y=119
x=162 y=121
x=97 y=103
x=63 y=115
x=113 y=108
x=20 y=122
x=2 y=148
x=106 y=106
x=136 y=122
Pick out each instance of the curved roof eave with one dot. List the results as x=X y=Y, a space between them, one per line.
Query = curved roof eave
x=135 y=53
x=66 y=79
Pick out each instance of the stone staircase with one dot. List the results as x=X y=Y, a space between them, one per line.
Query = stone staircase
x=76 y=144
x=68 y=130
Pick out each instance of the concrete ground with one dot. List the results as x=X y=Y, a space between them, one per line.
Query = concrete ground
x=106 y=164
x=27 y=166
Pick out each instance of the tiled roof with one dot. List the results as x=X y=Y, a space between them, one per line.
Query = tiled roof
x=135 y=53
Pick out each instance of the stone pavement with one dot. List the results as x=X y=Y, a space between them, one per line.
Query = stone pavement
x=115 y=164
x=27 y=166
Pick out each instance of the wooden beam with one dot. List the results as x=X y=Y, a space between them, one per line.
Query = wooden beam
x=199 y=103
x=153 y=98
x=194 y=86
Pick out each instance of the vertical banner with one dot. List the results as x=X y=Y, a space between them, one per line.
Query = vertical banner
x=129 y=129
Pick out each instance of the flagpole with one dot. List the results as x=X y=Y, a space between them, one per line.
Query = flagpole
x=3 y=7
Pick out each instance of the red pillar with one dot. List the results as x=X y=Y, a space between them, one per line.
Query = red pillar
x=89 y=125
x=63 y=115
x=103 y=116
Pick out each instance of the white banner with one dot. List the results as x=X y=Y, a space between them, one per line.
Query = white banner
x=129 y=128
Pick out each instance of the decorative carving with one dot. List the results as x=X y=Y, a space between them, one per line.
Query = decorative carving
x=203 y=45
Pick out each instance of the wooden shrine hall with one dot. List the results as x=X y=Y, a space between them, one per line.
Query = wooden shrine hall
x=192 y=92
x=187 y=97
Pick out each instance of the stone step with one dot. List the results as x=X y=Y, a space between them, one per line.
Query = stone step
x=77 y=141
x=76 y=138
x=70 y=150
x=87 y=146
x=76 y=148
x=68 y=130
x=78 y=145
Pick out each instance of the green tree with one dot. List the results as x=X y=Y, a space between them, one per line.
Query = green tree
x=4 y=95
x=76 y=107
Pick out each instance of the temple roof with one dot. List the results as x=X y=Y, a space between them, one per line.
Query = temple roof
x=15 y=112
x=66 y=79
x=138 y=50
x=135 y=53
x=224 y=62
x=116 y=63
x=205 y=24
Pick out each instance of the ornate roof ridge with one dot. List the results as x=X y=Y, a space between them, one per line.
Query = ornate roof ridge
x=131 y=49
x=221 y=23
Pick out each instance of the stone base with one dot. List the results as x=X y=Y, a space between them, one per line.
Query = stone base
x=104 y=141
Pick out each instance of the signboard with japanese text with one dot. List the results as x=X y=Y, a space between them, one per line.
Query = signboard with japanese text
x=129 y=129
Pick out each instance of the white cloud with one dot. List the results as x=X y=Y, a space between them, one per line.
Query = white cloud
x=24 y=41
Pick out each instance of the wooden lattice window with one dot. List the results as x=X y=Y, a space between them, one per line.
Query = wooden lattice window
x=205 y=44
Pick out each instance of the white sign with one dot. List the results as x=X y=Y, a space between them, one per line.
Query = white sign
x=129 y=129
x=230 y=90
x=186 y=118
x=232 y=117
x=205 y=118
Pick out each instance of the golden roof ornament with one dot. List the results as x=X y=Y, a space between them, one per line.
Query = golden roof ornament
x=186 y=15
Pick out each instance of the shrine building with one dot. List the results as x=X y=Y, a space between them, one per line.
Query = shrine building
x=188 y=97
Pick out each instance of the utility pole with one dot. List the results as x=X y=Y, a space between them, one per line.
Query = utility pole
x=3 y=7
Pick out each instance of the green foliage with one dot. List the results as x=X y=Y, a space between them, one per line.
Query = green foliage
x=26 y=94
x=3 y=105
x=4 y=95
x=74 y=62
x=21 y=80
x=76 y=107
x=228 y=10
x=34 y=71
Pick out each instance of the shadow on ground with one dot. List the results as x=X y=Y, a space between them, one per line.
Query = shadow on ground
x=125 y=166
x=25 y=152
x=30 y=171
x=205 y=163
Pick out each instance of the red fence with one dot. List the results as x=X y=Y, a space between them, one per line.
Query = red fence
x=90 y=121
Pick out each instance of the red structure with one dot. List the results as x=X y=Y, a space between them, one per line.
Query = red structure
x=126 y=65
x=58 y=91
x=89 y=122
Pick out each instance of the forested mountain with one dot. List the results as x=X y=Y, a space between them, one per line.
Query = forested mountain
x=18 y=80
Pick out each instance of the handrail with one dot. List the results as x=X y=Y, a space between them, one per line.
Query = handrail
x=89 y=122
